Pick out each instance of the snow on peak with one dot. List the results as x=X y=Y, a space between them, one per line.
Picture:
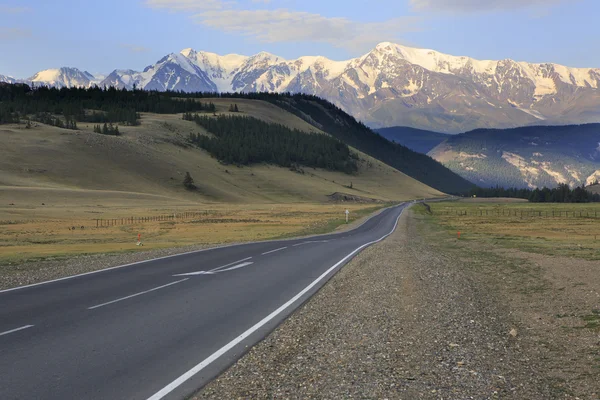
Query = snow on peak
x=189 y=52
x=63 y=77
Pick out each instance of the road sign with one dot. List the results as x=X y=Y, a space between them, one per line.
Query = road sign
x=347 y=213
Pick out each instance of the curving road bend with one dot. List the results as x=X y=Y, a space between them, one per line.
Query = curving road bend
x=161 y=329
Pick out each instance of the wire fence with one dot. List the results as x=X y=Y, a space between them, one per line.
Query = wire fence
x=134 y=220
x=522 y=213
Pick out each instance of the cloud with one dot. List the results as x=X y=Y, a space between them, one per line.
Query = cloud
x=478 y=5
x=6 y=9
x=9 y=34
x=134 y=48
x=283 y=25
x=190 y=5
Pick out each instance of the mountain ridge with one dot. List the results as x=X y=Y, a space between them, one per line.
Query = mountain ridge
x=390 y=85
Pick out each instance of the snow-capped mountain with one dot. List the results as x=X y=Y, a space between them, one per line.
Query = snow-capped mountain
x=62 y=77
x=390 y=85
x=7 y=79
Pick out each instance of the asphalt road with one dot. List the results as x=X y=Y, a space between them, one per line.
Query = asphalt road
x=163 y=328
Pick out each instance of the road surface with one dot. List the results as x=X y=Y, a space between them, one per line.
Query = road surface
x=163 y=328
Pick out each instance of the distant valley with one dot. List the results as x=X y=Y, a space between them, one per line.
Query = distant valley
x=389 y=86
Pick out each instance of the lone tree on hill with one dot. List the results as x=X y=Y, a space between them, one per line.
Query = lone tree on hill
x=188 y=182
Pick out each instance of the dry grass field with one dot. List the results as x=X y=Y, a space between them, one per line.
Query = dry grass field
x=40 y=232
x=571 y=230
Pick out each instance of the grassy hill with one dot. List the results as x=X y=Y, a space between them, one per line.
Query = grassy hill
x=152 y=158
x=415 y=139
x=332 y=120
x=534 y=156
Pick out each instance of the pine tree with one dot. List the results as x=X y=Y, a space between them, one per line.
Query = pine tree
x=188 y=182
x=105 y=129
x=235 y=108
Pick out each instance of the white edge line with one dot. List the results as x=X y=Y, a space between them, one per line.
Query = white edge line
x=199 y=367
x=137 y=294
x=273 y=251
x=16 y=330
x=178 y=255
x=227 y=265
x=242 y=265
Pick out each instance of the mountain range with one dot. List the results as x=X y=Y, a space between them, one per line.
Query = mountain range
x=530 y=157
x=390 y=85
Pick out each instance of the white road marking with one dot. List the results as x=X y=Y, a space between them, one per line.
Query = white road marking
x=310 y=241
x=273 y=251
x=137 y=294
x=230 y=264
x=214 y=270
x=242 y=265
x=16 y=330
x=301 y=244
x=177 y=382
x=196 y=273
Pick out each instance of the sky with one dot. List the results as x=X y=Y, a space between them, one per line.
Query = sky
x=100 y=36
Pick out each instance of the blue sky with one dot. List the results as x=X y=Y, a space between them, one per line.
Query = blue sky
x=101 y=36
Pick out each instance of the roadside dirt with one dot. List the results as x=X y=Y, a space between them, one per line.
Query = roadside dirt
x=420 y=316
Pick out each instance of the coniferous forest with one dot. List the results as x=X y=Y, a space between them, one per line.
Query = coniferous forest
x=107 y=105
x=561 y=194
x=246 y=140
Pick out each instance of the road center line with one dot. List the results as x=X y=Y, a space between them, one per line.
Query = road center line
x=16 y=330
x=301 y=244
x=137 y=294
x=242 y=265
x=199 y=367
x=230 y=264
x=273 y=251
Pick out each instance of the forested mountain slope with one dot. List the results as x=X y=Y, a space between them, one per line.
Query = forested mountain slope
x=525 y=157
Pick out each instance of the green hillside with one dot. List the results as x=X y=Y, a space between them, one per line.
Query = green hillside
x=96 y=105
x=153 y=155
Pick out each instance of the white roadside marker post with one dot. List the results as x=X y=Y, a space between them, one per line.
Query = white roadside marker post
x=347 y=213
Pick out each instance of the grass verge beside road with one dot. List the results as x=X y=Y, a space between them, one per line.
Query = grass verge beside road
x=569 y=230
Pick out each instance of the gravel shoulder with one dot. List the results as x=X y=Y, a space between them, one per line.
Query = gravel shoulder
x=419 y=316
